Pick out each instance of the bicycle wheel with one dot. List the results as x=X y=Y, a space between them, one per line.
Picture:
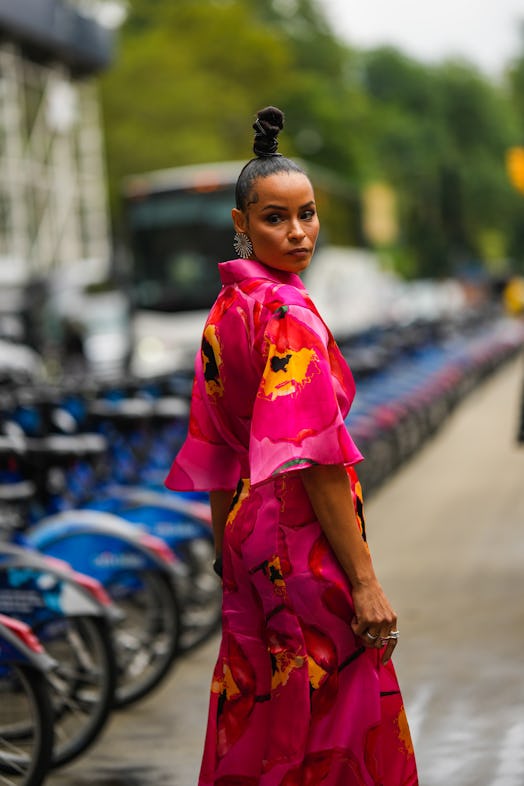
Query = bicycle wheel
x=26 y=726
x=146 y=640
x=82 y=685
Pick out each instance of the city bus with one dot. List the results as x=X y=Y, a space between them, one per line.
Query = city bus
x=178 y=227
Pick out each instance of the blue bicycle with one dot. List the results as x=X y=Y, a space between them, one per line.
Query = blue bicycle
x=26 y=712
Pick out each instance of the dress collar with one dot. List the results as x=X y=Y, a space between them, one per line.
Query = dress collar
x=236 y=270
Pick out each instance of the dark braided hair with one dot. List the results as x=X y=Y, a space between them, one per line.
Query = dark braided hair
x=267 y=126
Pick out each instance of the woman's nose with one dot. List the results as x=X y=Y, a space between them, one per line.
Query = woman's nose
x=296 y=230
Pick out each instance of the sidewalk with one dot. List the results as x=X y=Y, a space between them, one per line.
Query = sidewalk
x=447 y=534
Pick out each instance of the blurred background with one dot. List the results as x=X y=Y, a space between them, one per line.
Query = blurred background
x=123 y=125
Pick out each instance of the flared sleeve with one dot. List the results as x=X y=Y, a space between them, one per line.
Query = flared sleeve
x=304 y=395
x=205 y=461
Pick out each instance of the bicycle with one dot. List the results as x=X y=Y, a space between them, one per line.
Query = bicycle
x=26 y=712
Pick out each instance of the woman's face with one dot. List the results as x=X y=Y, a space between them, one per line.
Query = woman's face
x=281 y=221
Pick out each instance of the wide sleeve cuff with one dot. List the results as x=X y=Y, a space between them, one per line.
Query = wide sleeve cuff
x=334 y=446
x=201 y=466
x=205 y=461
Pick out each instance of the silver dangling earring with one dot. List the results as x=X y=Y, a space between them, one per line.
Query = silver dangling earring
x=242 y=245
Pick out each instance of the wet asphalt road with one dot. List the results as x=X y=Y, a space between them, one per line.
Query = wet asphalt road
x=447 y=535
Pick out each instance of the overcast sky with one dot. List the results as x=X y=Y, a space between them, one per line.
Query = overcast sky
x=486 y=32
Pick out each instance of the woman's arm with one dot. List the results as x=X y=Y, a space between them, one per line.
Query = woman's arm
x=329 y=491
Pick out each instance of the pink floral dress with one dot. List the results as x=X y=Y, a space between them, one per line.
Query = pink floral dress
x=296 y=700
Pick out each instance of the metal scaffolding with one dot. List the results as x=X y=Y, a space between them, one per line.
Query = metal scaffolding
x=52 y=191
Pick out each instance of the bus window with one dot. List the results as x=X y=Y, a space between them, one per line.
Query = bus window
x=177 y=239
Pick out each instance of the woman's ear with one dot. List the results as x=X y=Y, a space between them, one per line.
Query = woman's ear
x=239 y=220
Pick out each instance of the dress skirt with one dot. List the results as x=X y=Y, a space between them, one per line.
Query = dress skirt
x=296 y=700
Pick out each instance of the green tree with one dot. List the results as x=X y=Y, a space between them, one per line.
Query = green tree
x=441 y=139
x=189 y=74
x=515 y=90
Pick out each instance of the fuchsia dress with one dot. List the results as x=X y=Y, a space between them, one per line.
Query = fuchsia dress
x=296 y=700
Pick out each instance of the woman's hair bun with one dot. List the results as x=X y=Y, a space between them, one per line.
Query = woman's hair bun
x=267 y=126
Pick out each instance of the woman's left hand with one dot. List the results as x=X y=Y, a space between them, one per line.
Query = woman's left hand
x=329 y=491
x=374 y=622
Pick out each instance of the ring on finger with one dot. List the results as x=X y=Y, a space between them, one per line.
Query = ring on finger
x=393 y=636
x=372 y=636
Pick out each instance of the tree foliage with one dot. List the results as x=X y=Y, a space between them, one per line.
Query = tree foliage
x=188 y=76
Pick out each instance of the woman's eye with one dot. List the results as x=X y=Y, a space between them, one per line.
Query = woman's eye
x=307 y=215
x=273 y=218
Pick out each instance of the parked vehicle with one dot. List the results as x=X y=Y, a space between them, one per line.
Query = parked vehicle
x=26 y=713
x=117 y=467
x=72 y=620
x=70 y=613
x=140 y=574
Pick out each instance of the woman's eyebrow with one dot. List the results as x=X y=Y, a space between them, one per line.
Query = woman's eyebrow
x=283 y=207
x=274 y=207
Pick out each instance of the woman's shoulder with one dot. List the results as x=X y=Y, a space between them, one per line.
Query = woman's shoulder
x=262 y=285
x=274 y=296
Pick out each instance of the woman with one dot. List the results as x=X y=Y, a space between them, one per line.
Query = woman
x=303 y=692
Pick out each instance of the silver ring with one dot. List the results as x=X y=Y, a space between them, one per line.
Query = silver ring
x=371 y=636
x=393 y=636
